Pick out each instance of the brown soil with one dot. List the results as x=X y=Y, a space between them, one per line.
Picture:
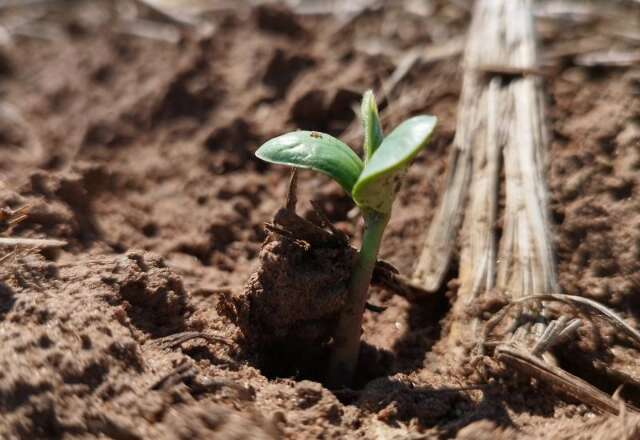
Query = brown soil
x=138 y=152
x=290 y=305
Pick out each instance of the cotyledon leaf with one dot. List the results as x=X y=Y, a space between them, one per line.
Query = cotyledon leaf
x=316 y=151
x=380 y=178
x=373 y=134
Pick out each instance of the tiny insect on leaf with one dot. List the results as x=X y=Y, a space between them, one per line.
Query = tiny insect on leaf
x=317 y=151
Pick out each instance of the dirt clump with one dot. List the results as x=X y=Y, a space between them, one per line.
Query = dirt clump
x=290 y=305
x=89 y=364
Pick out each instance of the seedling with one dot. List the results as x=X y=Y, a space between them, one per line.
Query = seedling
x=373 y=185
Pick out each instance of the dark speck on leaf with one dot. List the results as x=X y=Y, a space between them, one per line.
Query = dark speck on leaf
x=315 y=135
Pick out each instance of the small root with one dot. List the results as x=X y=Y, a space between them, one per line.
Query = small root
x=177 y=339
x=179 y=374
x=187 y=373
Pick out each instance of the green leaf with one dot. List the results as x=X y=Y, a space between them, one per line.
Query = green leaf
x=379 y=181
x=371 y=122
x=316 y=151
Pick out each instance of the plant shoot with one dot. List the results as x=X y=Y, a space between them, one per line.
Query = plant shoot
x=372 y=183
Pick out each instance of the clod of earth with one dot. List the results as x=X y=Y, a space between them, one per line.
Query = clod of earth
x=289 y=308
x=292 y=302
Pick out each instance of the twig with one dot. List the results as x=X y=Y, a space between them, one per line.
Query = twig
x=617 y=58
x=389 y=279
x=292 y=193
x=574 y=301
x=559 y=379
x=477 y=267
x=31 y=242
x=168 y=13
x=556 y=333
x=150 y=29
x=7 y=256
x=576 y=47
x=404 y=66
x=627 y=34
x=174 y=377
x=439 y=243
x=580 y=12
x=9 y=218
x=186 y=372
x=526 y=257
x=177 y=339
x=23 y=3
x=434 y=259
x=344 y=11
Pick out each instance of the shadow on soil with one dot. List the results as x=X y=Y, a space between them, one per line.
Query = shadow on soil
x=448 y=410
x=7 y=299
x=425 y=327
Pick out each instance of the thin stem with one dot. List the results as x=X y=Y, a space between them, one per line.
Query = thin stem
x=346 y=339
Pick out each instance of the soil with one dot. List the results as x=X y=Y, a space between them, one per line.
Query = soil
x=290 y=305
x=139 y=153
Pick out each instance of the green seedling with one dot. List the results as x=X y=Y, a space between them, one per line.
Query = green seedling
x=373 y=185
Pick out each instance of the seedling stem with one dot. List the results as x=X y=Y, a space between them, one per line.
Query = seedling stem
x=346 y=344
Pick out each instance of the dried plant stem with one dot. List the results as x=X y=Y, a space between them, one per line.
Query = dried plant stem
x=150 y=29
x=478 y=259
x=31 y=242
x=439 y=243
x=500 y=123
x=501 y=116
x=496 y=114
x=559 y=379
x=169 y=13
x=526 y=265
x=591 y=307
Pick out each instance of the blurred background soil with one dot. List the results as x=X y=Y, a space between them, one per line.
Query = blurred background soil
x=130 y=132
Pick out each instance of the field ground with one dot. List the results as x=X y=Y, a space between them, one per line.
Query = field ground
x=138 y=151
